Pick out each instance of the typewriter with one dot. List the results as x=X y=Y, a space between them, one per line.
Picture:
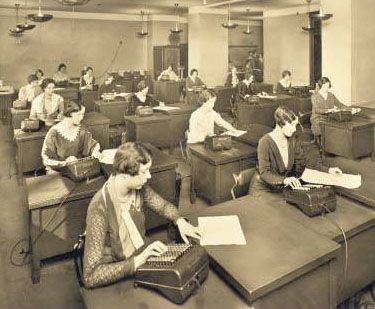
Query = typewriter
x=20 y=104
x=82 y=169
x=198 y=88
x=342 y=115
x=301 y=91
x=30 y=125
x=253 y=99
x=218 y=142
x=165 y=78
x=108 y=96
x=177 y=273
x=144 y=111
x=311 y=199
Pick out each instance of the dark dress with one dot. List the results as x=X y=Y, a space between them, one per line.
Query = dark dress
x=271 y=170
x=244 y=90
x=280 y=89
x=107 y=88
x=135 y=101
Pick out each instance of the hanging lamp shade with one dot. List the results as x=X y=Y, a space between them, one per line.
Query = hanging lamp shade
x=40 y=17
x=73 y=2
x=229 y=24
x=143 y=32
x=248 y=31
x=309 y=27
x=26 y=26
x=16 y=31
x=321 y=15
x=177 y=29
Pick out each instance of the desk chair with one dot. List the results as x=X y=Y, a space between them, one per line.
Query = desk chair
x=242 y=182
x=78 y=250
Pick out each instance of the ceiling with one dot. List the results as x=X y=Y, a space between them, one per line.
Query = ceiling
x=162 y=7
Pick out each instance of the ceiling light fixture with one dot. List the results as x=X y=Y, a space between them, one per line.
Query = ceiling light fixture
x=16 y=31
x=143 y=31
x=309 y=27
x=321 y=15
x=40 y=17
x=248 y=31
x=229 y=24
x=73 y=2
x=177 y=29
x=26 y=26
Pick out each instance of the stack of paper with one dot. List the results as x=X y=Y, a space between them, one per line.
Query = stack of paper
x=342 y=180
x=108 y=155
x=165 y=108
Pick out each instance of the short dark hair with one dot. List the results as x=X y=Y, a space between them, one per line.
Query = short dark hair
x=283 y=115
x=31 y=78
x=61 y=65
x=129 y=157
x=46 y=82
x=71 y=107
x=89 y=68
x=205 y=95
x=192 y=71
x=141 y=85
x=285 y=73
x=324 y=80
x=39 y=71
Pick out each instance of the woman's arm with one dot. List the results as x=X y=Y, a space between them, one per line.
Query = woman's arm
x=318 y=105
x=162 y=207
x=96 y=271
x=90 y=146
x=222 y=123
x=241 y=91
x=49 y=151
x=336 y=102
x=264 y=165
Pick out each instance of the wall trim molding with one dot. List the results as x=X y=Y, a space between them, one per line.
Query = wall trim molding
x=290 y=11
x=99 y=16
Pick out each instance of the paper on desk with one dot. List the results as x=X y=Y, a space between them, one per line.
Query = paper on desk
x=344 y=180
x=235 y=133
x=165 y=108
x=122 y=94
x=221 y=230
x=108 y=156
x=267 y=96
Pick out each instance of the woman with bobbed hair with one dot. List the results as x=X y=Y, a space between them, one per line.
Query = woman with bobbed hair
x=284 y=85
x=48 y=104
x=141 y=98
x=68 y=141
x=61 y=76
x=116 y=244
x=281 y=158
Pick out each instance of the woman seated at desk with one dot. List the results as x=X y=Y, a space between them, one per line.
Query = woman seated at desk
x=109 y=85
x=87 y=80
x=115 y=243
x=140 y=98
x=61 y=77
x=232 y=78
x=170 y=73
x=67 y=141
x=202 y=121
x=281 y=159
x=193 y=81
x=246 y=88
x=29 y=92
x=47 y=104
x=284 y=85
x=324 y=102
x=40 y=75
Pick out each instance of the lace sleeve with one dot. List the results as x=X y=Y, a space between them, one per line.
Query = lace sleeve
x=97 y=271
x=155 y=202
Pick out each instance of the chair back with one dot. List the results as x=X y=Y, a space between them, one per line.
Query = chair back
x=242 y=182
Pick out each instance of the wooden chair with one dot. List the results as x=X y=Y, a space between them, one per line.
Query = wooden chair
x=241 y=182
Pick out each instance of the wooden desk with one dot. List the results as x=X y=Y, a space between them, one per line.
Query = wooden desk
x=29 y=144
x=192 y=97
x=6 y=102
x=356 y=137
x=69 y=93
x=212 y=171
x=260 y=87
x=368 y=113
x=283 y=264
x=163 y=181
x=224 y=94
x=88 y=98
x=365 y=167
x=44 y=196
x=303 y=109
x=153 y=129
x=17 y=116
x=168 y=92
x=357 y=221
x=213 y=294
x=114 y=110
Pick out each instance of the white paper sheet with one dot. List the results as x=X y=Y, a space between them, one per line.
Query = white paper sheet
x=108 y=156
x=165 y=108
x=236 y=133
x=267 y=96
x=344 y=180
x=221 y=230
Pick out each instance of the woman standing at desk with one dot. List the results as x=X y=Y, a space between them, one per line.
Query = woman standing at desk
x=115 y=226
x=67 y=141
x=284 y=85
x=61 y=77
x=47 y=104
x=31 y=90
x=140 y=98
x=87 y=80
x=246 y=87
x=281 y=158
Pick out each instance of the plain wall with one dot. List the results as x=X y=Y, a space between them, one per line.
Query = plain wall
x=286 y=47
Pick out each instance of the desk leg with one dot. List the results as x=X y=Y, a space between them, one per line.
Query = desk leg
x=36 y=216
